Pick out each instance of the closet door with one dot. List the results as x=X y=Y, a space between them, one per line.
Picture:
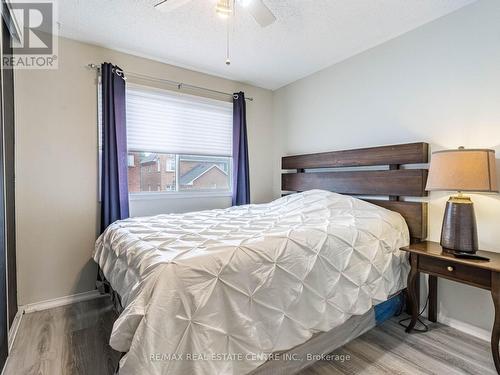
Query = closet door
x=4 y=346
x=9 y=185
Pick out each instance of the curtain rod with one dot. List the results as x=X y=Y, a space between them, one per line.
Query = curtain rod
x=179 y=85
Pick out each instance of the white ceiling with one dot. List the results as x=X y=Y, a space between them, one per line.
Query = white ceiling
x=308 y=35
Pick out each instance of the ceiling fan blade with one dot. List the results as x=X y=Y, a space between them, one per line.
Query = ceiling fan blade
x=170 y=5
x=260 y=12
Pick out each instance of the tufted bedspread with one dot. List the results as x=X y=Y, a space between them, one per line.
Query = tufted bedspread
x=216 y=292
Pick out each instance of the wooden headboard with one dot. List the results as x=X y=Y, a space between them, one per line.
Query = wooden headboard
x=389 y=179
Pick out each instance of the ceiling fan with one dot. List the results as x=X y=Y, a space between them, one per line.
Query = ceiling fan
x=257 y=8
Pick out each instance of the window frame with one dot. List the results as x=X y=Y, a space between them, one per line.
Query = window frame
x=153 y=195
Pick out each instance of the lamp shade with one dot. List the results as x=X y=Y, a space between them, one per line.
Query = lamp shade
x=463 y=170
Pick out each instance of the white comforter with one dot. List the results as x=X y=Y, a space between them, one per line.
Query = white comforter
x=215 y=292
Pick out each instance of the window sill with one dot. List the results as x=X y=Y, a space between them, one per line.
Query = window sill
x=178 y=195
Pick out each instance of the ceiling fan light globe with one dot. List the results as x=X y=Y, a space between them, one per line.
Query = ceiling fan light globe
x=223 y=8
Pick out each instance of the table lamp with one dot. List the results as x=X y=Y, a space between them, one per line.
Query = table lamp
x=471 y=170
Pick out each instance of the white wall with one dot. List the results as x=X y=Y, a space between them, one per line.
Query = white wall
x=439 y=84
x=56 y=165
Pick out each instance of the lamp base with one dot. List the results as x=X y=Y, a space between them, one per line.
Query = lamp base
x=459 y=231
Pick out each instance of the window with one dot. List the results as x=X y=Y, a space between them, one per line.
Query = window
x=170 y=165
x=131 y=160
x=190 y=136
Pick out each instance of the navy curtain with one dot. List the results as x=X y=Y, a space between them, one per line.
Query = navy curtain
x=114 y=185
x=241 y=180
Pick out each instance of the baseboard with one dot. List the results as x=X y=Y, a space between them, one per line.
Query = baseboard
x=459 y=325
x=15 y=327
x=480 y=333
x=61 y=301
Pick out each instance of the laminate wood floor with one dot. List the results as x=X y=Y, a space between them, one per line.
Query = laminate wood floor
x=73 y=340
x=68 y=340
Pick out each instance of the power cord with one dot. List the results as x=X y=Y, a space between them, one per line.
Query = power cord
x=426 y=328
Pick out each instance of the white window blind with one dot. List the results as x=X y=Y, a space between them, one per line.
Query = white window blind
x=168 y=122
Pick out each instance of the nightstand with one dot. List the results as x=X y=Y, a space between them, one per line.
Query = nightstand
x=429 y=257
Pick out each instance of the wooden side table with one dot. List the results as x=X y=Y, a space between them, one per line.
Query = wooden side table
x=429 y=257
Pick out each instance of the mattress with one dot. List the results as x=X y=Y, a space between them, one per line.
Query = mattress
x=216 y=292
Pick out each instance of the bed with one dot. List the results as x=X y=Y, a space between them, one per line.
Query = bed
x=256 y=288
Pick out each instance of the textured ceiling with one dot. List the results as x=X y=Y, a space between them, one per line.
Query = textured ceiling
x=308 y=35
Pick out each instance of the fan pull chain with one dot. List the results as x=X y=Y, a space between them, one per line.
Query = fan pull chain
x=228 y=60
x=230 y=20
